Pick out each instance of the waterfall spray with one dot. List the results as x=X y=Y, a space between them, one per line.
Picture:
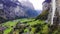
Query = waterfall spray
x=53 y=10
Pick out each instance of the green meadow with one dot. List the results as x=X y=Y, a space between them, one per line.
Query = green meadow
x=37 y=26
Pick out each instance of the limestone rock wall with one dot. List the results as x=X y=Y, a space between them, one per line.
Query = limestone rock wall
x=58 y=8
x=47 y=6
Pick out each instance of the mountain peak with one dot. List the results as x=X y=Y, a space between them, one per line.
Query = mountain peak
x=27 y=3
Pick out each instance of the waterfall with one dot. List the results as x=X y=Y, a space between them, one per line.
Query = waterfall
x=53 y=10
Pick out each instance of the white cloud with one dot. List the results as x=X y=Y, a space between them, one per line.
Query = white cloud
x=37 y=4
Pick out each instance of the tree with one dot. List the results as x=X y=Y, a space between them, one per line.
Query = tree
x=43 y=15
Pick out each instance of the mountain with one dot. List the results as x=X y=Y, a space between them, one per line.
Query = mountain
x=14 y=9
x=48 y=1
x=27 y=3
x=46 y=12
x=39 y=11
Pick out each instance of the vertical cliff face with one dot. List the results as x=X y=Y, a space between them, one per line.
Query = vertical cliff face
x=47 y=6
x=58 y=6
x=58 y=9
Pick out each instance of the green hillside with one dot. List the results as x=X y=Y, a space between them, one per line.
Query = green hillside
x=37 y=26
x=27 y=25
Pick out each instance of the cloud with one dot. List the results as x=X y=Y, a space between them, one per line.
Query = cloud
x=36 y=3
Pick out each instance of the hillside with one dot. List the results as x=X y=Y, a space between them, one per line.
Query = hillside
x=27 y=26
x=14 y=9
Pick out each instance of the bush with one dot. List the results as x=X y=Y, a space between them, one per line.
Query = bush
x=43 y=15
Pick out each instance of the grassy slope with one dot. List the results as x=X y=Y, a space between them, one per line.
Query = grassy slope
x=9 y=24
x=44 y=27
x=35 y=24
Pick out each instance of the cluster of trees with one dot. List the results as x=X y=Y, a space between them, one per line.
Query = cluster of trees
x=43 y=15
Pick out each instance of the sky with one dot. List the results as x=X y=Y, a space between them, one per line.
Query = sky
x=37 y=4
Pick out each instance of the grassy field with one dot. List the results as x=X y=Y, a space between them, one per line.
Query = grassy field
x=9 y=24
x=38 y=26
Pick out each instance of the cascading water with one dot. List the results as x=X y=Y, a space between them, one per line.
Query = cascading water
x=53 y=10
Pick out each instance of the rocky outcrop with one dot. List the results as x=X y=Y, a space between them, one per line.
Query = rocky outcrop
x=58 y=10
x=47 y=5
x=46 y=10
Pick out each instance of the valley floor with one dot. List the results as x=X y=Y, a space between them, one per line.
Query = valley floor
x=24 y=26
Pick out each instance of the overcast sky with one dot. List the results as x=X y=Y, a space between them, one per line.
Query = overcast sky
x=37 y=4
